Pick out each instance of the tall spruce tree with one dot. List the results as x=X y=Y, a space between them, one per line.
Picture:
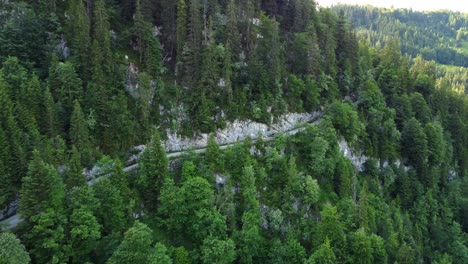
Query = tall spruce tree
x=154 y=169
x=79 y=134
x=78 y=34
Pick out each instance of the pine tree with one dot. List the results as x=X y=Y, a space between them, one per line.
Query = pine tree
x=101 y=30
x=42 y=189
x=6 y=190
x=78 y=29
x=195 y=39
x=79 y=134
x=232 y=31
x=15 y=163
x=66 y=87
x=148 y=45
x=32 y=100
x=181 y=28
x=112 y=214
x=120 y=181
x=74 y=174
x=323 y=255
x=84 y=229
x=48 y=117
x=212 y=155
x=414 y=145
x=154 y=169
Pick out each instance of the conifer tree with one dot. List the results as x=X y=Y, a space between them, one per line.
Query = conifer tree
x=195 y=39
x=32 y=99
x=101 y=30
x=120 y=181
x=42 y=189
x=212 y=155
x=15 y=163
x=232 y=40
x=41 y=205
x=79 y=134
x=414 y=145
x=66 y=87
x=153 y=172
x=74 y=173
x=48 y=117
x=78 y=29
x=323 y=255
x=112 y=214
x=181 y=27
x=6 y=188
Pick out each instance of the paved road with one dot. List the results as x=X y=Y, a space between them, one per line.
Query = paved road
x=15 y=220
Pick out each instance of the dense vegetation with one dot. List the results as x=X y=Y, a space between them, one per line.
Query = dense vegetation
x=440 y=36
x=83 y=81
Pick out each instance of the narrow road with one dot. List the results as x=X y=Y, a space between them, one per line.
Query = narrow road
x=14 y=220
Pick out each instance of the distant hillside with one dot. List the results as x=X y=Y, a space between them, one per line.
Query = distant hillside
x=441 y=36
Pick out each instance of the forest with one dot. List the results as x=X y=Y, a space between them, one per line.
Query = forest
x=82 y=82
x=439 y=36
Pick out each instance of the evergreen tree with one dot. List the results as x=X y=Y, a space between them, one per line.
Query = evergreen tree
x=42 y=189
x=101 y=33
x=78 y=34
x=120 y=181
x=153 y=171
x=333 y=229
x=213 y=154
x=148 y=45
x=66 y=87
x=79 y=134
x=414 y=145
x=195 y=40
x=41 y=205
x=181 y=27
x=74 y=174
x=48 y=117
x=323 y=255
x=84 y=229
x=112 y=212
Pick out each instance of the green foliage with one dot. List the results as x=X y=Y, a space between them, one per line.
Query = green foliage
x=74 y=174
x=12 y=251
x=218 y=251
x=91 y=79
x=345 y=120
x=153 y=171
x=414 y=144
x=42 y=189
x=415 y=29
x=160 y=255
x=78 y=34
x=79 y=134
x=136 y=246
x=112 y=213
x=323 y=255
x=23 y=35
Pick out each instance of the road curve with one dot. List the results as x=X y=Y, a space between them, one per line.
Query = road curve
x=14 y=220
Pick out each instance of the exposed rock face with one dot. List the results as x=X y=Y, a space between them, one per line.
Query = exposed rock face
x=238 y=131
x=357 y=160
x=132 y=80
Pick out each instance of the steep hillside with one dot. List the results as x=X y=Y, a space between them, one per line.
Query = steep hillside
x=380 y=177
